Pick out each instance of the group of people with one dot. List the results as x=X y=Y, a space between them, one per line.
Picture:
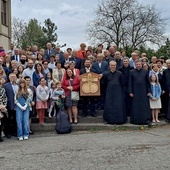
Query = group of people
x=38 y=83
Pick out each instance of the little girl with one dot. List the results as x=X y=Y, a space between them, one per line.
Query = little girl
x=155 y=101
x=50 y=102
x=42 y=95
x=49 y=80
x=57 y=96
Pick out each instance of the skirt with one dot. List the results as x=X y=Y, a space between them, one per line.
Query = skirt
x=41 y=105
x=155 y=104
x=69 y=102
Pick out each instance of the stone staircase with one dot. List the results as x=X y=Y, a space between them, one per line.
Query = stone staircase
x=90 y=123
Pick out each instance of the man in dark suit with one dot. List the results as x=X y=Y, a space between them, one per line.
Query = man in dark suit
x=74 y=57
x=16 y=55
x=48 y=52
x=100 y=67
x=11 y=89
x=65 y=61
x=88 y=100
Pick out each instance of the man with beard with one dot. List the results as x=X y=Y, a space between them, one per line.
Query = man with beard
x=88 y=100
x=23 y=61
x=29 y=70
x=139 y=90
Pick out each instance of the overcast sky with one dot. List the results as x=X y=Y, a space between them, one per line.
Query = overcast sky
x=70 y=16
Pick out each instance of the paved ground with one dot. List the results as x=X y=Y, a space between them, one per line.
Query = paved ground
x=136 y=150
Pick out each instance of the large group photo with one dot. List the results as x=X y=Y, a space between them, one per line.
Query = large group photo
x=44 y=82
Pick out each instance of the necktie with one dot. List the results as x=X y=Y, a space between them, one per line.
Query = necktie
x=49 y=52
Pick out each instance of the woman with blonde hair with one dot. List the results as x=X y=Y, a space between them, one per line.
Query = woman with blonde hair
x=2 y=73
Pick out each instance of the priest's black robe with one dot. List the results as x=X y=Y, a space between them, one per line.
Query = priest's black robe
x=139 y=85
x=114 y=110
x=166 y=88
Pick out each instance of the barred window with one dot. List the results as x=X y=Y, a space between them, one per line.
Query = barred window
x=4 y=12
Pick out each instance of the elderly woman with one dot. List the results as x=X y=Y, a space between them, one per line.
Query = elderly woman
x=71 y=83
x=58 y=72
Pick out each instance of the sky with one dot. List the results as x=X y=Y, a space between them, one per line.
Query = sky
x=71 y=16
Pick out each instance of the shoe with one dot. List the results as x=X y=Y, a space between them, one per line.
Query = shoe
x=1 y=140
x=8 y=136
x=31 y=132
x=93 y=114
x=75 y=123
x=26 y=138
x=49 y=116
x=20 y=138
x=157 y=121
x=84 y=115
x=153 y=121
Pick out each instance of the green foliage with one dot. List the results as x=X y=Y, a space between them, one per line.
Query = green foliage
x=38 y=35
x=50 y=31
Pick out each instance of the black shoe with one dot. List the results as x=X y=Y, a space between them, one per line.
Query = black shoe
x=1 y=140
x=93 y=114
x=31 y=132
x=84 y=115
x=8 y=136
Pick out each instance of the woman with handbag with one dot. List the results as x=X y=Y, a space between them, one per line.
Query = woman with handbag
x=71 y=85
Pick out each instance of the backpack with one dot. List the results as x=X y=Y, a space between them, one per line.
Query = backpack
x=62 y=122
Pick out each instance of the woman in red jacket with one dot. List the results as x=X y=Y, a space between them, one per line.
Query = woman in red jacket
x=71 y=83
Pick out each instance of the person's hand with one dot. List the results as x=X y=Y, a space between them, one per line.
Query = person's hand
x=148 y=94
x=131 y=95
x=44 y=100
x=25 y=107
x=154 y=99
x=57 y=98
x=100 y=76
x=33 y=103
x=62 y=96
x=70 y=88
x=163 y=92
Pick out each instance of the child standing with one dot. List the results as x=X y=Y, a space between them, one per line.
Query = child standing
x=57 y=97
x=49 y=79
x=42 y=95
x=155 y=101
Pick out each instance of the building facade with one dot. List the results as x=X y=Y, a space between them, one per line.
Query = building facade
x=5 y=23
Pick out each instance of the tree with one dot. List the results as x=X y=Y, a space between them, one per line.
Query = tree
x=50 y=31
x=126 y=23
x=18 y=29
x=33 y=34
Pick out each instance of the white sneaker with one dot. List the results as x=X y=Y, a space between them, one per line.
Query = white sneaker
x=20 y=138
x=26 y=138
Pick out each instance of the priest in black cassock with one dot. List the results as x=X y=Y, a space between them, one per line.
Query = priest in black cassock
x=114 y=110
x=139 y=90
x=166 y=89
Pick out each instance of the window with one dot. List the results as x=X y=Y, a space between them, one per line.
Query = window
x=3 y=12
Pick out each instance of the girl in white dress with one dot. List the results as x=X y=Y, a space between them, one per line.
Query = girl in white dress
x=155 y=101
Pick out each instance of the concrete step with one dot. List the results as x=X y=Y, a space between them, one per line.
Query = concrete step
x=94 y=126
x=88 y=119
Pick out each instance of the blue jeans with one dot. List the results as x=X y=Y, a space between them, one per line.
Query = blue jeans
x=22 y=118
